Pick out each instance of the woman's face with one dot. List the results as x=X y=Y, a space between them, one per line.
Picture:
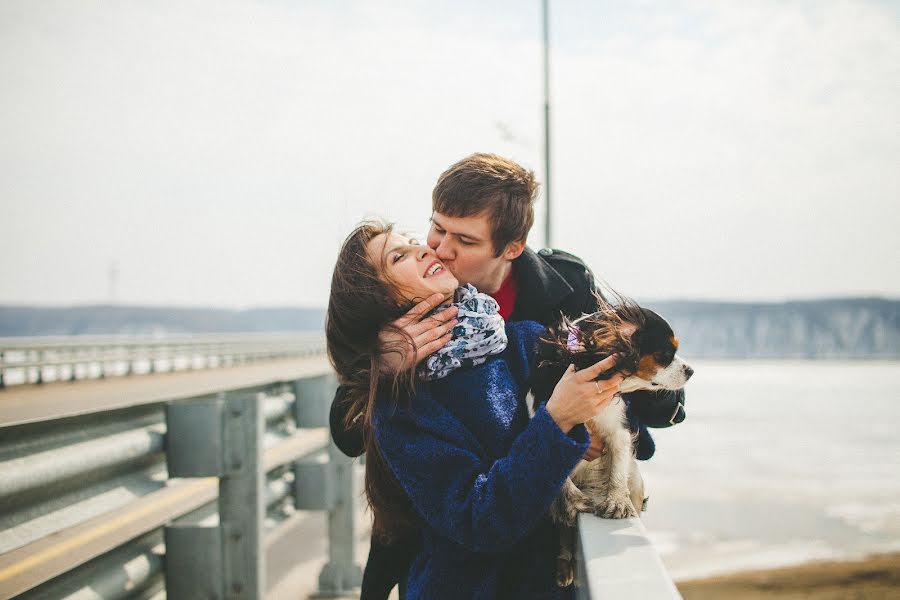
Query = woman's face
x=411 y=269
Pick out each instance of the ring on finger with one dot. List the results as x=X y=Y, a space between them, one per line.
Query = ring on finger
x=599 y=389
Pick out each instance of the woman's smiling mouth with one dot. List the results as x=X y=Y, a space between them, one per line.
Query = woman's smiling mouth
x=433 y=269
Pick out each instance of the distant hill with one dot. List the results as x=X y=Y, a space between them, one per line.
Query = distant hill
x=867 y=328
x=134 y=320
x=834 y=328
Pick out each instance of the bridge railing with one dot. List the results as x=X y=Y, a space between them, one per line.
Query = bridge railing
x=172 y=498
x=615 y=559
x=69 y=358
x=177 y=496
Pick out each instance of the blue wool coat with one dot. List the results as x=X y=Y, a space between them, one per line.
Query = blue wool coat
x=482 y=477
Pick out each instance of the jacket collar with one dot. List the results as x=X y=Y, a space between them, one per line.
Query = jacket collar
x=541 y=287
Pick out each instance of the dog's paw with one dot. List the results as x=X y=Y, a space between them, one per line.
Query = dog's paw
x=576 y=504
x=568 y=504
x=566 y=513
x=615 y=508
x=565 y=572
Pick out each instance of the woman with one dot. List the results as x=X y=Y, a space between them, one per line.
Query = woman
x=452 y=459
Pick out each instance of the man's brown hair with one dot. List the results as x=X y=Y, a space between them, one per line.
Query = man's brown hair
x=489 y=184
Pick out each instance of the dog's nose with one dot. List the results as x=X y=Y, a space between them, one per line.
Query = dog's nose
x=688 y=372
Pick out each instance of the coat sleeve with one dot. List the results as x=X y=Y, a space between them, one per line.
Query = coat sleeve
x=484 y=506
x=348 y=440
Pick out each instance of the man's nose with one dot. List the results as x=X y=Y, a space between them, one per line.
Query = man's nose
x=444 y=251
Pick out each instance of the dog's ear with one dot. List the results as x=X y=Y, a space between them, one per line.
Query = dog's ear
x=636 y=338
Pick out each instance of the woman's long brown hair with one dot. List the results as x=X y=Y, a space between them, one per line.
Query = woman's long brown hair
x=360 y=306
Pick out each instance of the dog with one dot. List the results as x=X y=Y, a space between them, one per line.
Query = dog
x=610 y=486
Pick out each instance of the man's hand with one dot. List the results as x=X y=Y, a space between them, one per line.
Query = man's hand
x=595 y=449
x=429 y=334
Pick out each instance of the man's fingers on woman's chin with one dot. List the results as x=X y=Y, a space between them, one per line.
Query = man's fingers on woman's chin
x=431 y=324
x=440 y=341
x=432 y=347
x=422 y=307
x=442 y=317
x=442 y=330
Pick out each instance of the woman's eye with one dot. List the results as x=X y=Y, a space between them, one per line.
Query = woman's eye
x=465 y=243
x=396 y=258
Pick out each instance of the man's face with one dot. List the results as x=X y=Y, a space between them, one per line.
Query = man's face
x=464 y=244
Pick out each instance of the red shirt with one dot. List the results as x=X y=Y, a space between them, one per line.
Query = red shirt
x=506 y=295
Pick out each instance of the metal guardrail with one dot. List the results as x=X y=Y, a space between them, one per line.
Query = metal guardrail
x=615 y=559
x=171 y=499
x=69 y=358
x=174 y=494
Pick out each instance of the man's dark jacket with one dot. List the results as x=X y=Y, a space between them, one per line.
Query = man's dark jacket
x=551 y=282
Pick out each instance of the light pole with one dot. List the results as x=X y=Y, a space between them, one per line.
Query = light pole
x=547 y=214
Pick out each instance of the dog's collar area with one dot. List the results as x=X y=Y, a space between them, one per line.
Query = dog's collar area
x=678 y=409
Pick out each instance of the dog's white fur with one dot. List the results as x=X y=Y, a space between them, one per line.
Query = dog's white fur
x=610 y=486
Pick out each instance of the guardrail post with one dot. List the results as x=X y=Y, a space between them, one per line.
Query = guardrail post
x=194 y=562
x=341 y=574
x=99 y=353
x=194 y=437
x=337 y=493
x=73 y=354
x=312 y=400
x=194 y=553
x=314 y=483
x=220 y=436
x=242 y=500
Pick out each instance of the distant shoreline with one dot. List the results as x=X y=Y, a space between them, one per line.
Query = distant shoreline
x=876 y=576
x=839 y=329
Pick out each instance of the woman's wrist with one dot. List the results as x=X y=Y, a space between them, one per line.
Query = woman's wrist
x=564 y=425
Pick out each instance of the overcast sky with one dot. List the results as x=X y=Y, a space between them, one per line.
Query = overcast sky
x=218 y=152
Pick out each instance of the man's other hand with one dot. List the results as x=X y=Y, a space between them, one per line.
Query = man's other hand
x=595 y=449
x=429 y=334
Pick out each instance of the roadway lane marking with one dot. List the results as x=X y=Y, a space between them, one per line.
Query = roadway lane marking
x=169 y=498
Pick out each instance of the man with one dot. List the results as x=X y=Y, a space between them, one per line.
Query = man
x=483 y=209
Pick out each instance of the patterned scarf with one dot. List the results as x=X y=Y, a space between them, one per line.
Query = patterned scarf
x=479 y=334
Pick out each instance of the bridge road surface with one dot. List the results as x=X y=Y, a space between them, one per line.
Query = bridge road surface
x=298 y=551
x=38 y=402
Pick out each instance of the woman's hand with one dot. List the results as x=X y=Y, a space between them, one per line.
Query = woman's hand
x=429 y=334
x=578 y=396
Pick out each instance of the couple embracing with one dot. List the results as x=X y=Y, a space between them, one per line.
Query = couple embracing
x=433 y=345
